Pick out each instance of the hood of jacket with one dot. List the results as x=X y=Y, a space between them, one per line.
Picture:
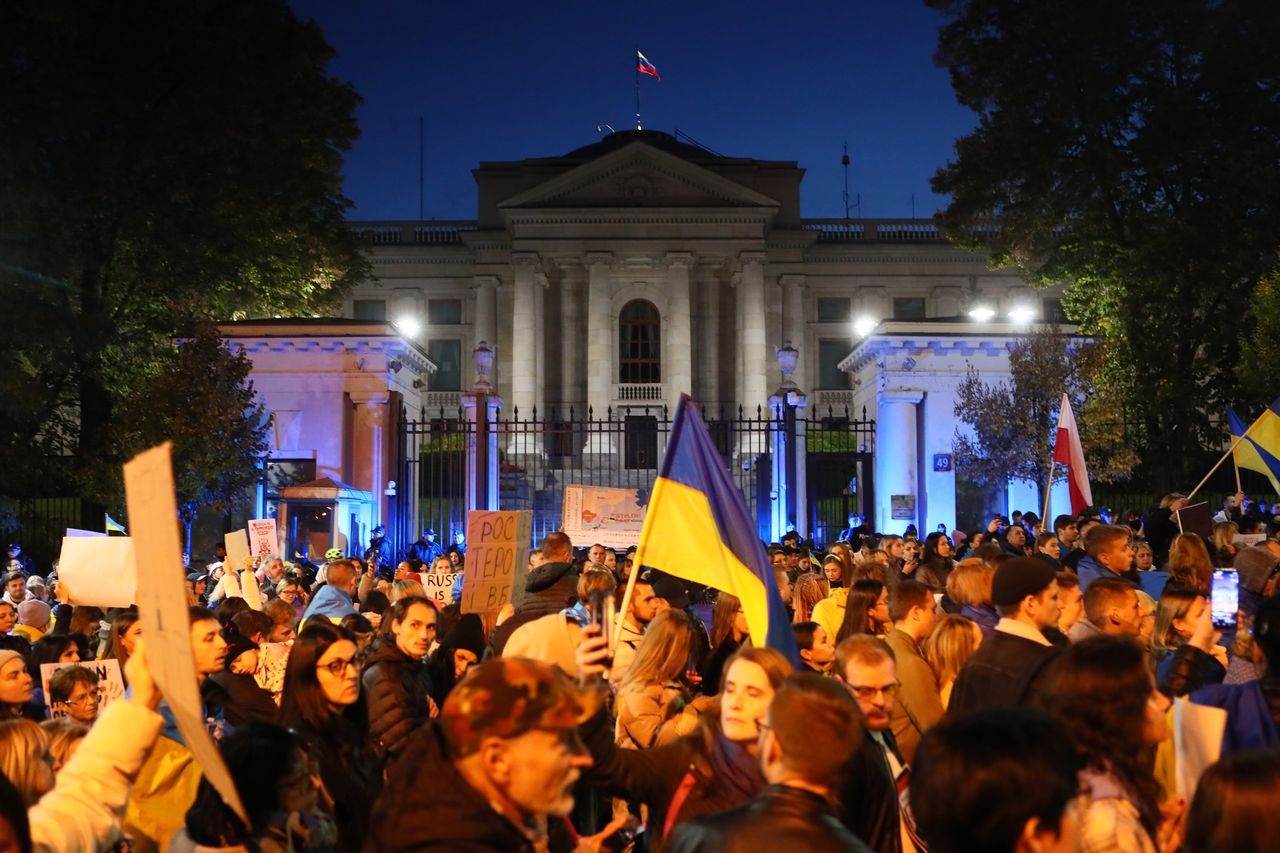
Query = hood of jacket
x=548 y=575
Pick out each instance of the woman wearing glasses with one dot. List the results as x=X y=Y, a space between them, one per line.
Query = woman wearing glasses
x=323 y=705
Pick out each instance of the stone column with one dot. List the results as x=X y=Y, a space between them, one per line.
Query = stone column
x=573 y=337
x=524 y=334
x=709 y=344
x=368 y=451
x=677 y=356
x=485 y=321
x=896 y=456
x=599 y=333
x=540 y=343
x=751 y=294
x=794 y=325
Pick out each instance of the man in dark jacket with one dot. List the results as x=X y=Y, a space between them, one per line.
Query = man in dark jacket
x=496 y=771
x=425 y=549
x=1003 y=671
x=549 y=588
x=396 y=679
x=813 y=728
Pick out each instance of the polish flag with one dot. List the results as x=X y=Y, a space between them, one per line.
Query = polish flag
x=644 y=66
x=1068 y=451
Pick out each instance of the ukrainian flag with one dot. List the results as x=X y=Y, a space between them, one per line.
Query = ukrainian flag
x=697 y=528
x=1260 y=450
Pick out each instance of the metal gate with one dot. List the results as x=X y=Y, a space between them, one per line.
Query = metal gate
x=839 y=470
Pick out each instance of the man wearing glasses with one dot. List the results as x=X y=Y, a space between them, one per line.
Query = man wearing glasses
x=874 y=794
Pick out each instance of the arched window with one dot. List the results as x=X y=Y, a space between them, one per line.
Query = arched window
x=639 y=344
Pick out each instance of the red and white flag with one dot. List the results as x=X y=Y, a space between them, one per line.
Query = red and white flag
x=1069 y=452
x=644 y=66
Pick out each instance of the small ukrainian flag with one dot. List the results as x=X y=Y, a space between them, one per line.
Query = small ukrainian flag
x=1260 y=450
x=110 y=525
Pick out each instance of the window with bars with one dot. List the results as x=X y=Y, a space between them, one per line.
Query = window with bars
x=639 y=343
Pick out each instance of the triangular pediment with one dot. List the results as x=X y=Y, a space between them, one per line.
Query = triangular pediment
x=639 y=175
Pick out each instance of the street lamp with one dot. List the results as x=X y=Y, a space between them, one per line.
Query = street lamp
x=408 y=325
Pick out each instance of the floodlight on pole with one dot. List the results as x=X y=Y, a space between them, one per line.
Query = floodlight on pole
x=1022 y=314
x=982 y=312
x=408 y=325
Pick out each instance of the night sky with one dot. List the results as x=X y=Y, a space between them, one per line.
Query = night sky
x=505 y=81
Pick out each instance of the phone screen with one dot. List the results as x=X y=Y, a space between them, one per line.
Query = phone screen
x=1225 y=598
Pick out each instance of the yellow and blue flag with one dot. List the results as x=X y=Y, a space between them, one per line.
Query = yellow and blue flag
x=111 y=525
x=697 y=528
x=1260 y=450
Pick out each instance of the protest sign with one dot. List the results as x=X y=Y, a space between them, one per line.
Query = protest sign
x=110 y=682
x=262 y=537
x=612 y=517
x=163 y=609
x=76 y=531
x=498 y=545
x=98 y=570
x=237 y=545
x=439 y=587
x=1195 y=519
x=1246 y=540
x=1197 y=742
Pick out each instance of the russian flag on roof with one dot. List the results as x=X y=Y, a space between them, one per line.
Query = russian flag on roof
x=644 y=66
x=697 y=528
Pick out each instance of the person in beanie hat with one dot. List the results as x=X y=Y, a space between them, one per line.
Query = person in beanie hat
x=1256 y=565
x=235 y=688
x=461 y=649
x=497 y=767
x=33 y=619
x=1003 y=671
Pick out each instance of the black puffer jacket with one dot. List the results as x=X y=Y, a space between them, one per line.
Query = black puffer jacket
x=548 y=589
x=428 y=805
x=781 y=818
x=398 y=690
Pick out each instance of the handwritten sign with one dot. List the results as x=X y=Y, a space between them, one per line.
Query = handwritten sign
x=498 y=544
x=99 y=570
x=162 y=609
x=439 y=587
x=262 y=537
x=110 y=682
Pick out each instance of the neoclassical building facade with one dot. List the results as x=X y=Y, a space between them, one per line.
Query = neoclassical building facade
x=638 y=268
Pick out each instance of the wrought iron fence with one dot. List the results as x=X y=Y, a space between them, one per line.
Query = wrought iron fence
x=39 y=524
x=432 y=482
x=541 y=454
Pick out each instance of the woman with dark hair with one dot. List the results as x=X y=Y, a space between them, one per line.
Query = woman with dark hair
x=322 y=704
x=1235 y=805
x=935 y=562
x=866 y=610
x=1102 y=692
x=729 y=630
x=273 y=775
x=229 y=609
x=712 y=769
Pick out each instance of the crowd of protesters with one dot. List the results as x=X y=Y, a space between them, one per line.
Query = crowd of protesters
x=1009 y=689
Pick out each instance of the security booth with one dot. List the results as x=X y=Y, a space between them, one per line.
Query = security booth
x=324 y=514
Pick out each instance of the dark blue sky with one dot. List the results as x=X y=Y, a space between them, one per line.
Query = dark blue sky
x=506 y=80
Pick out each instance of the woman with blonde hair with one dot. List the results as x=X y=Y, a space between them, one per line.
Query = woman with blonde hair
x=405 y=589
x=1177 y=613
x=24 y=748
x=654 y=706
x=1223 y=546
x=809 y=589
x=969 y=585
x=442 y=565
x=64 y=736
x=953 y=639
x=1189 y=563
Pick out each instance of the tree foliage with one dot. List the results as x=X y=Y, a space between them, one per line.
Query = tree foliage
x=202 y=399
x=1132 y=150
x=160 y=164
x=1010 y=425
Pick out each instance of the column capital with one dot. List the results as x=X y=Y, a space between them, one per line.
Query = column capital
x=679 y=259
x=752 y=258
x=370 y=398
x=788 y=280
x=479 y=282
x=568 y=262
x=524 y=259
x=599 y=259
x=901 y=395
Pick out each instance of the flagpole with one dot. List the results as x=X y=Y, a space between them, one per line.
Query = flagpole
x=1044 y=516
x=636 y=62
x=626 y=605
x=1230 y=452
